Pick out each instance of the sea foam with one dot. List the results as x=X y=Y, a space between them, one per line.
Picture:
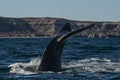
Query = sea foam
x=84 y=65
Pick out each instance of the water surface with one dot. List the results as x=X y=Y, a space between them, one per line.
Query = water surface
x=82 y=59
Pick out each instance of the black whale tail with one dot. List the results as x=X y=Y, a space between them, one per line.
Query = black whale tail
x=51 y=60
x=65 y=29
x=72 y=33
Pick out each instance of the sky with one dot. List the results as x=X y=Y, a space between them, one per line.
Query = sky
x=83 y=10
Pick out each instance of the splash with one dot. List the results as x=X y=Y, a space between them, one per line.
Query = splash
x=25 y=68
x=93 y=65
x=86 y=65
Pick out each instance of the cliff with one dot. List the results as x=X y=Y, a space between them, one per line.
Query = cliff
x=48 y=27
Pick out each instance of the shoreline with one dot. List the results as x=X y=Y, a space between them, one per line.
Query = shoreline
x=73 y=37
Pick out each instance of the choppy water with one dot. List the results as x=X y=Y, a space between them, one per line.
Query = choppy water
x=83 y=59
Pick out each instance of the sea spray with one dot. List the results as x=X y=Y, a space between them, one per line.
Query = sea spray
x=92 y=65
x=84 y=65
x=25 y=68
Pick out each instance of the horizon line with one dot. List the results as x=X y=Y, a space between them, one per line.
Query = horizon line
x=58 y=18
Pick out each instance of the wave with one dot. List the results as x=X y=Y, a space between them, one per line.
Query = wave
x=85 y=65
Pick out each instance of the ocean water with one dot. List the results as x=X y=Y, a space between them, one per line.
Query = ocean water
x=82 y=59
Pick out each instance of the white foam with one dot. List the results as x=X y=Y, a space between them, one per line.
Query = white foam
x=25 y=68
x=85 y=65
x=93 y=65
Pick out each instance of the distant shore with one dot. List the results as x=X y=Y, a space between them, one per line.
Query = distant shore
x=48 y=27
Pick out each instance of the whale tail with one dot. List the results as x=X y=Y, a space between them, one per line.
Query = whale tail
x=65 y=29
x=51 y=60
x=72 y=33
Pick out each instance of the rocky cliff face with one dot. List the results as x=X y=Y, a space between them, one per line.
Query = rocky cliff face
x=48 y=27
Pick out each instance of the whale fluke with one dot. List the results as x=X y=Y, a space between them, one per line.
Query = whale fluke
x=65 y=29
x=70 y=34
x=51 y=60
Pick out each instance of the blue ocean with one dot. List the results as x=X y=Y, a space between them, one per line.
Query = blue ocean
x=82 y=59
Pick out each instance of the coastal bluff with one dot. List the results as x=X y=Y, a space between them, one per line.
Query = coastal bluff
x=49 y=27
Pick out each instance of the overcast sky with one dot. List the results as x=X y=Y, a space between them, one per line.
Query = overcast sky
x=85 y=10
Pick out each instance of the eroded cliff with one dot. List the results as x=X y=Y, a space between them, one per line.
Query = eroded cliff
x=48 y=27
